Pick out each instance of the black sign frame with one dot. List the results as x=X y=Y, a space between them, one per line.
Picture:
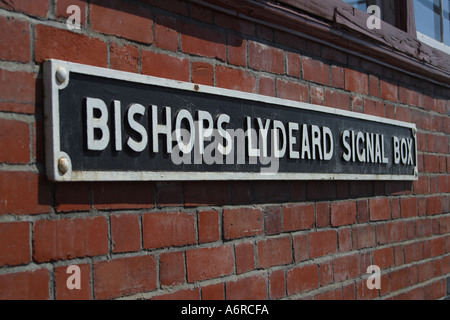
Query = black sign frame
x=71 y=89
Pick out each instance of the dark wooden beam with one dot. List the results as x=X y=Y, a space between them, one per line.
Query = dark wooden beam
x=323 y=9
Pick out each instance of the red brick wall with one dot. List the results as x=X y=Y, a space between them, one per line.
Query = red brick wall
x=213 y=240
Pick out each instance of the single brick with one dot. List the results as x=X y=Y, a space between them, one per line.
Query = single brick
x=70 y=238
x=163 y=229
x=243 y=222
x=124 y=276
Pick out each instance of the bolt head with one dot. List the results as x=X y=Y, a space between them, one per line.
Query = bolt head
x=61 y=75
x=63 y=165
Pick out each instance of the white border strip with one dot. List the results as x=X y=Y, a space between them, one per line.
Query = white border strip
x=433 y=42
x=52 y=137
